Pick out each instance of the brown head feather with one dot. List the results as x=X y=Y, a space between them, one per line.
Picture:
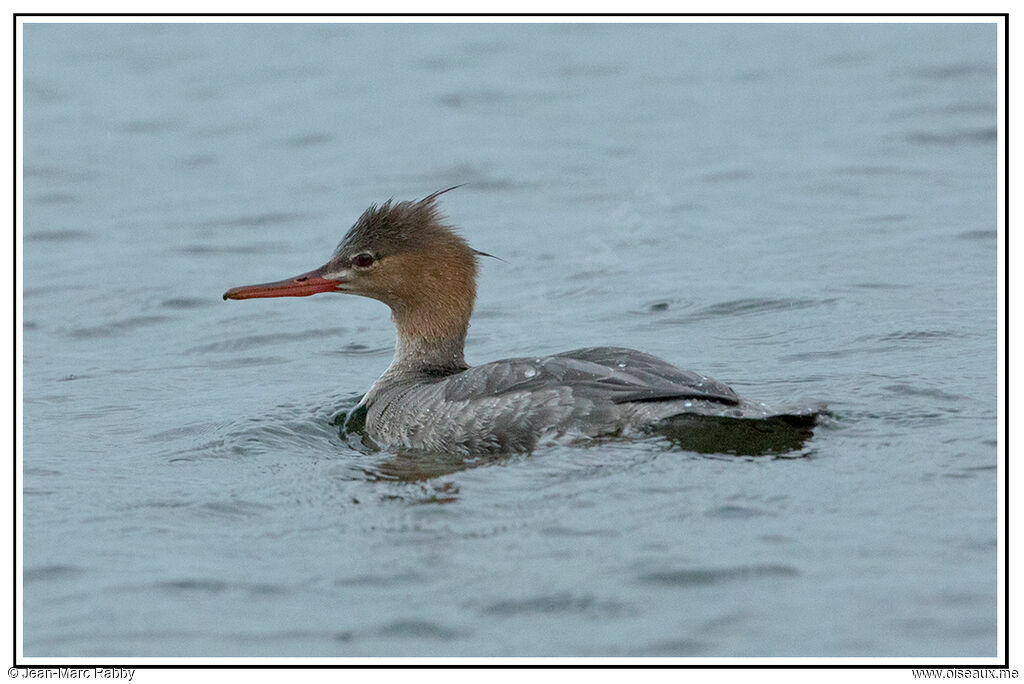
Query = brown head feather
x=397 y=227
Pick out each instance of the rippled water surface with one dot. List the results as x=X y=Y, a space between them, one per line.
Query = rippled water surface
x=801 y=211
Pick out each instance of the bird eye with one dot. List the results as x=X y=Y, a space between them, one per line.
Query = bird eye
x=363 y=260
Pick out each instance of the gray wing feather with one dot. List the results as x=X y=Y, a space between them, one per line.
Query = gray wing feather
x=600 y=373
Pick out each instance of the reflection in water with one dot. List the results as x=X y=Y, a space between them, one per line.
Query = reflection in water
x=417 y=466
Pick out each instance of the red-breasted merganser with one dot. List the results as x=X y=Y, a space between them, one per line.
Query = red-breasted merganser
x=406 y=255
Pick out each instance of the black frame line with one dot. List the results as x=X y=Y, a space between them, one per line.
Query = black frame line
x=513 y=666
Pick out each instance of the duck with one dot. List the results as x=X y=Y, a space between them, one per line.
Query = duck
x=408 y=256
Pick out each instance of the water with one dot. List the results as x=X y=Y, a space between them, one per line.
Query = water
x=797 y=210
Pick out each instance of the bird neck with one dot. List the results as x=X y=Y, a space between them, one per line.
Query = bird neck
x=435 y=356
x=431 y=331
